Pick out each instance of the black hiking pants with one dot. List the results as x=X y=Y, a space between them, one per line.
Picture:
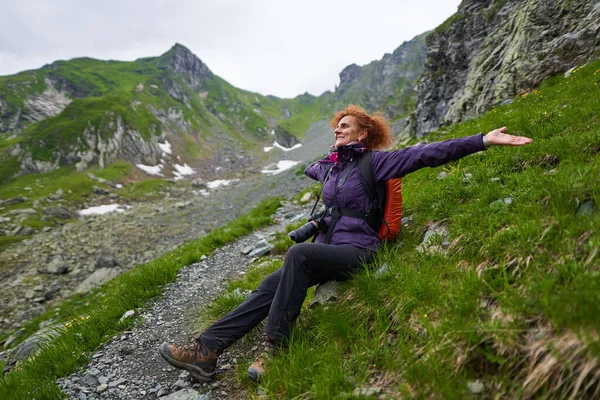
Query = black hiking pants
x=280 y=295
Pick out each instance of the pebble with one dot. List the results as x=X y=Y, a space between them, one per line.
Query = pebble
x=101 y=388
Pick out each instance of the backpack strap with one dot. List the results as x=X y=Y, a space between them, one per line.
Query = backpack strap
x=367 y=177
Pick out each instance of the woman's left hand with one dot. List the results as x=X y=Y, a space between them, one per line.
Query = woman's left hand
x=498 y=137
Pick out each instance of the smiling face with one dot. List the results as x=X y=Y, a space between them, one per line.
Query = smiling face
x=348 y=131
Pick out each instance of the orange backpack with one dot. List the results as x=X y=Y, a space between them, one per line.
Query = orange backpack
x=386 y=214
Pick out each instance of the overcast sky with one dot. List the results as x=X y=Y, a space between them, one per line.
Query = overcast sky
x=274 y=47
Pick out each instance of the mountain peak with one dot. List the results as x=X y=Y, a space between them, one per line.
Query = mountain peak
x=185 y=64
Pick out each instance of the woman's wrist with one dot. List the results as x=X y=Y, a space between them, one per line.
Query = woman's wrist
x=486 y=144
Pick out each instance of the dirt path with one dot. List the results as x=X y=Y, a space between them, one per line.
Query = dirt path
x=129 y=366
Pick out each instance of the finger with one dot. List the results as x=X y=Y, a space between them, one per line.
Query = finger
x=503 y=129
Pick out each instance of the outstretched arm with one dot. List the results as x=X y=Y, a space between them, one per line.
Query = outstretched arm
x=498 y=137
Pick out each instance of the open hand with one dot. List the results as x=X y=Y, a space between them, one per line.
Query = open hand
x=500 y=138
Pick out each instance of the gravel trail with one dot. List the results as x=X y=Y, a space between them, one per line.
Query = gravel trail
x=129 y=366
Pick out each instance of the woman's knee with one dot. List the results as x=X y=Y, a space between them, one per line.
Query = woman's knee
x=297 y=257
x=271 y=282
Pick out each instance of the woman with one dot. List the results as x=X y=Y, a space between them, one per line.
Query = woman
x=349 y=245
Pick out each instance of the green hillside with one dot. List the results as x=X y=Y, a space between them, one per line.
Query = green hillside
x=509 y=307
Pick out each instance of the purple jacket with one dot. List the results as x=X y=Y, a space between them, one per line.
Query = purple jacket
x=386 y=165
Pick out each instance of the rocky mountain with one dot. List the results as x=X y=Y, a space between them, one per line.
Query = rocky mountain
x=387 y=84
x=491 y=50
x=87 y=112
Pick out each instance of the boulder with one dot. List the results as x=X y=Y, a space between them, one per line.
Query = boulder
x=60 y=212
x=13 y=200
x=99 y=190
x=56 y=196
x=30 y=346
x=99 y=277
x=326 y=293
x=57 y=266
x=106 y=258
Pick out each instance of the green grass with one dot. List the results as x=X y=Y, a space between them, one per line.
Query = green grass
x=513 y=303
x=91 y=319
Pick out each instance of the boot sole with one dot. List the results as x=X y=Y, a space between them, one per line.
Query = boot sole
x=196 y=372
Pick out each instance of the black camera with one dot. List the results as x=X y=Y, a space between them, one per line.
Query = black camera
x=311 y=228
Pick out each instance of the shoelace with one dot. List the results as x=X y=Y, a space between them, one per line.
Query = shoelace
x=195 y=348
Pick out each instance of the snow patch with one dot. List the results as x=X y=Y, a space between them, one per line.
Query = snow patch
x=182 y=170
x=268 y=149
x=281 y=166
x=152 y=170
x=99 y=210
x=220 y=182
x=165 y=147
x=294 y=147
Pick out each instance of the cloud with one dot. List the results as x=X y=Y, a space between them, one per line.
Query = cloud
x=268 y=46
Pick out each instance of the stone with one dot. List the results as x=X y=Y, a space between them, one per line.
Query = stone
x=97 y=278
x=162 y=392
x=586 y=208
x=306 y=197
x=56 y=196
x=13 y=200
x=22 y=231
x=89 y=380
x=106 y=258
x=128 y=314
x=435 y=239
x=187 y=394
x=23 y=212
x=101 y=388
x=118 y=382
x=326 y=293
x=103 y=380
x=475 y=387
x=260 y=251
x=30 y=346
x=60 y=212
x=384 y=269
x=99 y=190
x=57 y=266
x=53 y=291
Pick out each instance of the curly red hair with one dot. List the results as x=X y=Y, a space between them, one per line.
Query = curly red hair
x=379 y=133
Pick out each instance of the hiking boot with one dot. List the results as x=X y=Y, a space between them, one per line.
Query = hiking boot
x=199 y=361
x=256 y=370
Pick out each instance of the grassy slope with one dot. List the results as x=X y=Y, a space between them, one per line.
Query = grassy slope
x=514 y=301
x=86 y=321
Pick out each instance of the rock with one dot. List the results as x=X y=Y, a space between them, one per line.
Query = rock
x=442 y=175
x=30 y=346
x=29 y=294
x=246 y=250
x=100 y=191
x=60 y=212
x=118 y=382
x=326 y=293
x=96 y=279
x=89 y=380
x=54 y=289
x=384 y=269
x=106 y=258
x=512 y=46
x=57 y=266
x=475 y=387
x=103 y=380
x=162 y=392
x=13 y=200
x=586 y=209
x=56 y=196
x=22 y=231
x=4 y=219
x=435 y=239
x=128 y=314
x=199 y=184
x=260 y=251
x=23 y=212
x=367 y=391
x=306 y=197
x=181 y=384
x=186 y=394
x=101 y=388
